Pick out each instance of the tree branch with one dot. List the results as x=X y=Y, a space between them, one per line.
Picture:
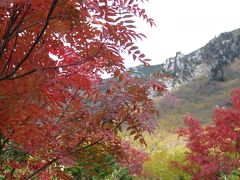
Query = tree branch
x=7 y=64
x=77 y=150
x=67 y=106
x=13 y=17
x=31 y=25
x=38 y=38
x=41 y=169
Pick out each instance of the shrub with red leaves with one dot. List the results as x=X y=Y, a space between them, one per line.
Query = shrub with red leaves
x=214 y=150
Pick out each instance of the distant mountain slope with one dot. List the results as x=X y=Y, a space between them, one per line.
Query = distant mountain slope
x=199 y=97
x=208 y=60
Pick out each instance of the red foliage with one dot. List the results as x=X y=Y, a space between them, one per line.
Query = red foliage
x=214 y=149
x=53 y=109
x=135 y=159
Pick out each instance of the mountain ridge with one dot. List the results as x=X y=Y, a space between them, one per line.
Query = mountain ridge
x=208 y=60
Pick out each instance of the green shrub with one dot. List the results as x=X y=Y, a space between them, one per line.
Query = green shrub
x=160 y=167
x=110 y=171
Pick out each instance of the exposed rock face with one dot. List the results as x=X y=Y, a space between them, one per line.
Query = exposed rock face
x=209 y=60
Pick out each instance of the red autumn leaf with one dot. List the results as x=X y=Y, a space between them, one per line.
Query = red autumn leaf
x=116 y=73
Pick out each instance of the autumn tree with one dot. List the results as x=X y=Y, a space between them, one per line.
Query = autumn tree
x=54 y=104
x=214 y=149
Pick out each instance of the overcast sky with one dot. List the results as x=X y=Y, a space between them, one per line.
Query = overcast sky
x=185 y=25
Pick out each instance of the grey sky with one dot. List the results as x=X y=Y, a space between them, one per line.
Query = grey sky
x=185 y=25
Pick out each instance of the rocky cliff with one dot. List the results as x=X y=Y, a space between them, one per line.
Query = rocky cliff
x=209 y=60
